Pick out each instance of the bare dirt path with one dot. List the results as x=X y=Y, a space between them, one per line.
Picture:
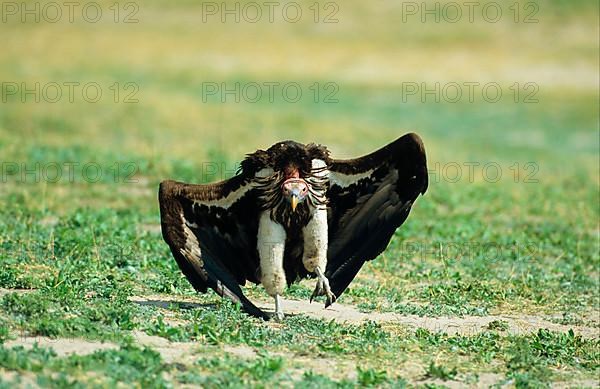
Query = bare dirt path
x=515 y=324
x=62 y=346
x=466 y=325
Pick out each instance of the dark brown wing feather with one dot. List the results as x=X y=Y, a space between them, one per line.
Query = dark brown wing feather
x=369 y=197
x=212 y=232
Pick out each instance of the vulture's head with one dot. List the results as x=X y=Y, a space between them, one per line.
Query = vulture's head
x=295 y=178
x=295 y=189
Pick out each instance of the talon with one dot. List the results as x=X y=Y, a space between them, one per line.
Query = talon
x=318 y=290
x=314 y=295
x=330 y=299
x=322 y=288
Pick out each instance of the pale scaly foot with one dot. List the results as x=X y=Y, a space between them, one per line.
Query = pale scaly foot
x=278 y=316
x=322 y=288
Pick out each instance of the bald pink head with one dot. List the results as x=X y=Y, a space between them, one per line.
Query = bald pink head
x=295 y=191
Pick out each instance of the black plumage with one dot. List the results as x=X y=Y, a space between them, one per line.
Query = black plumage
x=212 y=229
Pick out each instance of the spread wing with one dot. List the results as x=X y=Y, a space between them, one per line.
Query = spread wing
x=212 y=232
x=369 y=197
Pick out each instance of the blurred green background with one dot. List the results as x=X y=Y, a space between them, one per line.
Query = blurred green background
x=168 y=54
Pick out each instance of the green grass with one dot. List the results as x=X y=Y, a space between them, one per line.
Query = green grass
x=75 y=255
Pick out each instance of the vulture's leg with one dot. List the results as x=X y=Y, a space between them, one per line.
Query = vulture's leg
x=315 y=253
x=278 y=310
x=271 y=245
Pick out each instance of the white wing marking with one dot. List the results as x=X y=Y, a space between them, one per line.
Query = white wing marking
x=345 y=180
x=236 y=195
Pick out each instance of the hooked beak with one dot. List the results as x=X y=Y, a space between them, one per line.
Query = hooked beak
x=294 y=190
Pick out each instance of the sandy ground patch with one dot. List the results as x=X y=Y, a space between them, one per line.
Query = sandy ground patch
x=7 y=291
x=171 y=352
x=241 y=351
x=62 y=346
x=466 y=325
x=577 y=384
x=21 y=379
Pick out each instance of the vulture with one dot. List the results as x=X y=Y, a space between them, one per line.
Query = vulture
x=291 y=212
